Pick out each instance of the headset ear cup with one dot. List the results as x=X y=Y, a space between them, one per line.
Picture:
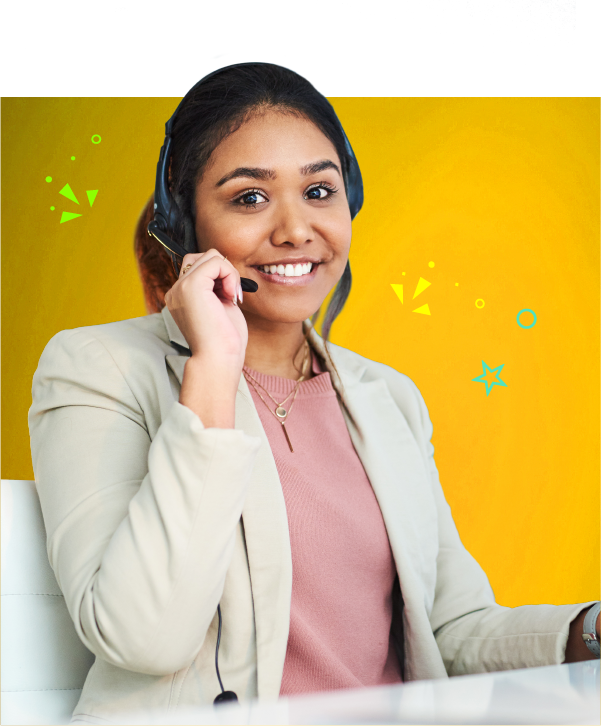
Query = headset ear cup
x=190 y=243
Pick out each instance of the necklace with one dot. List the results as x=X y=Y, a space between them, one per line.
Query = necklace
x=280 y=413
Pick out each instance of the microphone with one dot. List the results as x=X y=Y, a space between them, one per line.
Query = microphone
x=174 y=248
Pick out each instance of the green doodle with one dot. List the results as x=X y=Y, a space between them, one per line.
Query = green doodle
x=66 y=191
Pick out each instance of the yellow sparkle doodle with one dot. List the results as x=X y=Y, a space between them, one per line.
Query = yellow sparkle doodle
x=398 y=290
x=420 y=287
x=422 y=284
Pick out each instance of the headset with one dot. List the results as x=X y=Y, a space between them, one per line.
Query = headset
x=167 y=217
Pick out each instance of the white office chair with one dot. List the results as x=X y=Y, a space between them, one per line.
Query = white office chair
x=44 y=664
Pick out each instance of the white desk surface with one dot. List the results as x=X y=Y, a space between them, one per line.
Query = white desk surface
x=562 y=694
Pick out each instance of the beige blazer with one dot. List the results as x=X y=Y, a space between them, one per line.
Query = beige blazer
x=152 y=520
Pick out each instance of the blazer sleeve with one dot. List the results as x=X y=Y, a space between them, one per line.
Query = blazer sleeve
x=473 y=633
x=140 y=532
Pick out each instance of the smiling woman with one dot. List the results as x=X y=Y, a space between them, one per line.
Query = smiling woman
x=230 y=500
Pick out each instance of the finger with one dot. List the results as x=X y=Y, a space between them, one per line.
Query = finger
x=192 y=259
x=223 y=277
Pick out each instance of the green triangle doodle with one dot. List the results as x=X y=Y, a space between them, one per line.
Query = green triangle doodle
x=398 y=289
x=92 y=195
x=67 y=216
x=424 y=310
x=66 y=191
x=421 y=286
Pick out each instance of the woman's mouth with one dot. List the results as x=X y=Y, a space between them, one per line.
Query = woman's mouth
x=289 y=274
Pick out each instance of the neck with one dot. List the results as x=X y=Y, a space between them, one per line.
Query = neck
x=275 y=349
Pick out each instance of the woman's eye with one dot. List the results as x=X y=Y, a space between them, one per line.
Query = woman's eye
x=319 y=193
x=251 y=199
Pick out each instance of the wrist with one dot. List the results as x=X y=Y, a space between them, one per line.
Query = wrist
x=223 y=371
x=209 y=390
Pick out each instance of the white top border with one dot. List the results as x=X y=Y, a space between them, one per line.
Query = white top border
x=344 y=47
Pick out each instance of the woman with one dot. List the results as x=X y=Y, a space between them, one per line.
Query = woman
x=220 y=453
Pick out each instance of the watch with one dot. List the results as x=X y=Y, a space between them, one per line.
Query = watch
x=590 y=632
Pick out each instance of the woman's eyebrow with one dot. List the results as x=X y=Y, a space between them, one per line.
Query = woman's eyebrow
x=256 y=172
x=318 y=166
x=248 y=172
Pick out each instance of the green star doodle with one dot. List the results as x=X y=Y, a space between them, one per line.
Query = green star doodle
x=490 y=384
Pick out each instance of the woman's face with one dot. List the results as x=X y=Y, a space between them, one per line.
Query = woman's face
x=272 y=198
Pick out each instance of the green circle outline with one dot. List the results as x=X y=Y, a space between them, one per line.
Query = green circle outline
x=99 y=139
x=526 y=327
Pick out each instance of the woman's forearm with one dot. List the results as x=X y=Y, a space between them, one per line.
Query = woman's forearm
x=576 y=648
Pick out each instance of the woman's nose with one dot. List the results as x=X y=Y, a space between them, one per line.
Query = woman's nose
x=292 y=224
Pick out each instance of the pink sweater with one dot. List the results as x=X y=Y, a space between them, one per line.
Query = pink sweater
x=342 y=565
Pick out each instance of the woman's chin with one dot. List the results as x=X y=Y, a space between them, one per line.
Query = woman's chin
x=278 y=316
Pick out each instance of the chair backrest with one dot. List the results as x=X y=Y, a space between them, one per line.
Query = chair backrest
x=44 y=663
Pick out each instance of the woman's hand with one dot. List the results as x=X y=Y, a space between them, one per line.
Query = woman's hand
x=576 y=647
x=203 y=303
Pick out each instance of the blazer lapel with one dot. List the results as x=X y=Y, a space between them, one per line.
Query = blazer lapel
x=268 y=547
x=393 y=462
x=266 y=535
x=397 y=472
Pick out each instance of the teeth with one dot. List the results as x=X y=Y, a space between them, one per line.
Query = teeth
x=288 y=270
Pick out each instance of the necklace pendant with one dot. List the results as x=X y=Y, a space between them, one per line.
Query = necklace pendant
x=281 y=412
x=287 y=437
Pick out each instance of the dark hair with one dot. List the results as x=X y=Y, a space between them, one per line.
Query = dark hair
x=212 y=110
x=156 y=271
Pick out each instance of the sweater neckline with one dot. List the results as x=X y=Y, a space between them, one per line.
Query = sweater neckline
x=277 y=385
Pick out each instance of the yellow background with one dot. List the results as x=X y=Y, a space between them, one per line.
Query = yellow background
x=501 y=194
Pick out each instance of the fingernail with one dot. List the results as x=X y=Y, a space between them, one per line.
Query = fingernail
x=234 y=300
x=240 y=293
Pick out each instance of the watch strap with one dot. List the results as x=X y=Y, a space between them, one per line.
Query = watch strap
x=590 y=631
